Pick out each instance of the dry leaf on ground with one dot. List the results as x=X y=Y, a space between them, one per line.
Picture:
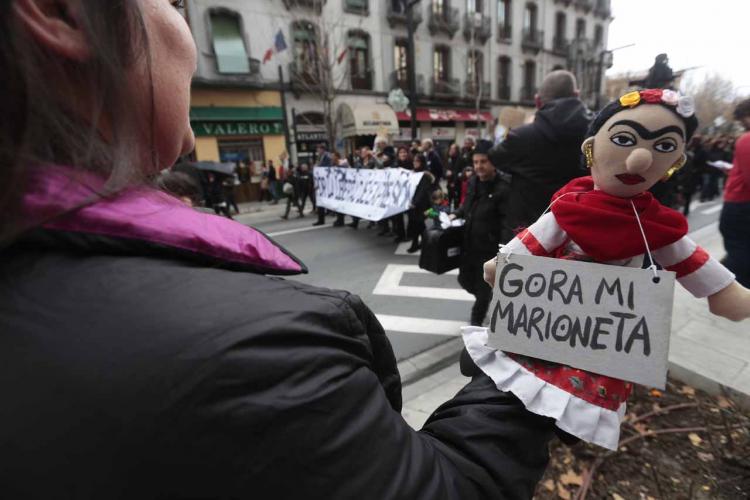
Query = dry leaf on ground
x=687 y=390
x=695 y=439
x=655 y=393
x=562 y=492
x=615 y=496
x=549 y=484
x=705 y=457
x=571 y=477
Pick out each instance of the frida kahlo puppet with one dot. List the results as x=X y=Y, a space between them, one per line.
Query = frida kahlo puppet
x=632 y=144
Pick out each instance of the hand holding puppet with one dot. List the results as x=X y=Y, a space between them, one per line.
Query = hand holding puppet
x=632 y=144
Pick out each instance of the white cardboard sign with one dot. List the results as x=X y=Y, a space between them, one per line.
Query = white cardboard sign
x=605 y=319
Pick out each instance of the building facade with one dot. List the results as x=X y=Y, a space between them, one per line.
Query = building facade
x=332 y=63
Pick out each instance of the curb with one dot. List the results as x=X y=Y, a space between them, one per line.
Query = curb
x=426 y=363
x=709 y=385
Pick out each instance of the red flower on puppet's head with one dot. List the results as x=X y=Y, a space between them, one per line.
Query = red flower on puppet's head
x=652 y=96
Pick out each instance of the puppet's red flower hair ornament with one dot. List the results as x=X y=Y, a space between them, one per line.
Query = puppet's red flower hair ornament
x=652 y=96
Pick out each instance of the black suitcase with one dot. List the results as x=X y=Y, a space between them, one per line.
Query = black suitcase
x=441 y=249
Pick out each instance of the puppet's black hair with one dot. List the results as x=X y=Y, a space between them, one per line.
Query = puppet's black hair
x=614 y=107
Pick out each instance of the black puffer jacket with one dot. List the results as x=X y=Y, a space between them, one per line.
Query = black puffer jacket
x=484 y=209
x=142 y=356
x=542 y=157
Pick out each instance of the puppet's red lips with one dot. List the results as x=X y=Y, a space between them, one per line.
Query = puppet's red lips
x=630 y=179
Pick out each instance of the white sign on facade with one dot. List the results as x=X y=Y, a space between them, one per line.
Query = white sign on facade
x=609 y=320
x=369 y=194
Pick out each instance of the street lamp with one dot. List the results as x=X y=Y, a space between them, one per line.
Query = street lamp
x=410 y=64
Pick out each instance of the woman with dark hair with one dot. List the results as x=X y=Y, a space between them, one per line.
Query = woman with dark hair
x=152 y=351
x=611 y=218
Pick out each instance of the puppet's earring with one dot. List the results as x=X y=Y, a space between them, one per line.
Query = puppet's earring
x=674 y=168
x=588 y=152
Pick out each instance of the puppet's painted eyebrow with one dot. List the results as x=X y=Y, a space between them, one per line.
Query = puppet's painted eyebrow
x=646 y=133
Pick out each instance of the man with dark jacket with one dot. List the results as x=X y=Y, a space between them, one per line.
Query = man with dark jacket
x=484 y=210
x=544 y=155
x=434 y=162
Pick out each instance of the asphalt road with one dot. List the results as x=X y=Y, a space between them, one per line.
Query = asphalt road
x=418 y=310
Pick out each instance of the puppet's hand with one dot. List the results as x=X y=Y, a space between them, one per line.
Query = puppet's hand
x=732 y=303
x=489 y=271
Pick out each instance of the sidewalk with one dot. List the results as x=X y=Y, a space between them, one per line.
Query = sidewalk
x=707 y=352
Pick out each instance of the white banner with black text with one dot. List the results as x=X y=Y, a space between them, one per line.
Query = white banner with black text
x=368 y=194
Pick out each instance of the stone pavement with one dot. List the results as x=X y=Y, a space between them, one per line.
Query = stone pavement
x=706 y=351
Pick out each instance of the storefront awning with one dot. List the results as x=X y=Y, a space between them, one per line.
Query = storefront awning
x=235 y=114
x=447 y=115
x=367 y=119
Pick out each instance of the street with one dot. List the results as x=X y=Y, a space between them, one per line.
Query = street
x=419 y=310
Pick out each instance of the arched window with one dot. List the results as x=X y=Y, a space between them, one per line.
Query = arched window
x=504 y=19
x=529 y=81
x=441 y=68
x=306 y=51
x=229 y=42
x=598 y=35
x=580 y=28
x=530 y=18
x=358 y=43
x=503 y=78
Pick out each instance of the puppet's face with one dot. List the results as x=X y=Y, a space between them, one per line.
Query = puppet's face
x=635 y=148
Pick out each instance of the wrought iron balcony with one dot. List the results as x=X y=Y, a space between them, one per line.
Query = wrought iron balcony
x=503 y=92
x=447 y=22
x=586 y=5
x=397 y=17
x=446 y=88
x=471 y=90
x=532 y=40
x=316 y=5
x=304 y=77
x=400 y=80
x=528 y=93
x=560 y=46
x=477 y=24
x=362 y=81
x=504 y=33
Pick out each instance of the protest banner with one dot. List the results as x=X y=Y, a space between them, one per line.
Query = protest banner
x=369 y=194
x=609 y=320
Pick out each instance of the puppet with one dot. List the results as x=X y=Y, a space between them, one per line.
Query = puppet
x=632 y=144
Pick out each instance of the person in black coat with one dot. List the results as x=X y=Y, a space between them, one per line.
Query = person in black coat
x=545 y=155
x=151 y=351
x=419 y=204
x=483 y=209
x=434 y=163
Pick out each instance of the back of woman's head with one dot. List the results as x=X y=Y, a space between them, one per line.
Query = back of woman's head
x=77 y=89
x=41 y=92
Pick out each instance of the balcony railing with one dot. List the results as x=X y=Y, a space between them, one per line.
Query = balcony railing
x=532 y=40
x=359 y=7
x=316 y=5
x=471 y=90
x=305 y=77
x=362 y=81
x=503 y=92
x=400 y=80
x=446 y=22
x=398 y=17
x=527 y=93
x=560 y=46
x=586 y=5
x=446 y=88
x=478 y=24
x=504 y=33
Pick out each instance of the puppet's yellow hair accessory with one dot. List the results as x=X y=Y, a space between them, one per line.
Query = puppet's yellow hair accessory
x=630 y=99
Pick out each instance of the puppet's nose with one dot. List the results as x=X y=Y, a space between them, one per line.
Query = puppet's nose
x=639 y=161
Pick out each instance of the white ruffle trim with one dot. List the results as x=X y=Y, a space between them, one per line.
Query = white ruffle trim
x=572 y=414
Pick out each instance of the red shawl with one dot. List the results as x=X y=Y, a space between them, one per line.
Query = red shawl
x=605 y=227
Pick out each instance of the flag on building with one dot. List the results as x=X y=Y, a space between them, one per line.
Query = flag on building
x=279 y=45
x=342 y=56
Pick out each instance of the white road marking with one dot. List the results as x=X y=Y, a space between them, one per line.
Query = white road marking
x=712 y=210
x=428 y=326
x=390 y=284
x=299 y=230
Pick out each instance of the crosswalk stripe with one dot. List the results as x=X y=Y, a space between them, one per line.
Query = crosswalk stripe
x=407 y=324
x=390 y=284
x=712 y=210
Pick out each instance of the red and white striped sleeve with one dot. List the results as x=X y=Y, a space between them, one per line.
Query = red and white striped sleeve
x=697 y=271
x=540 y=239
